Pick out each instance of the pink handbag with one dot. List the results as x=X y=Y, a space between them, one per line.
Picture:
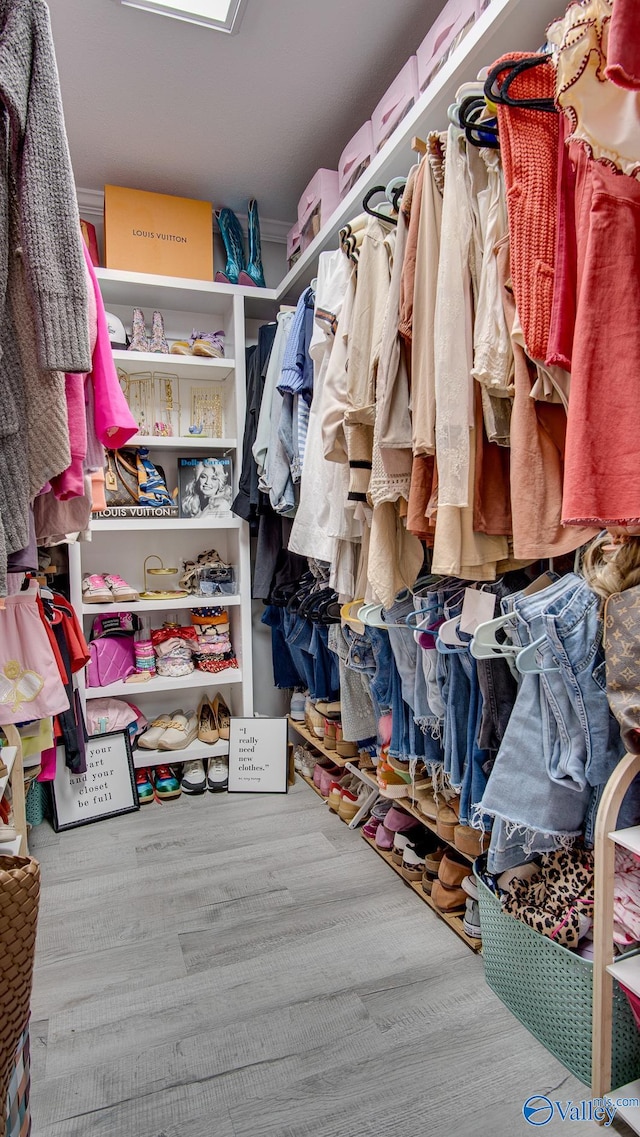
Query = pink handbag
x=112 y=658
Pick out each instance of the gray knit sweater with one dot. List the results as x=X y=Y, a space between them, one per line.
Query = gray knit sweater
x=39 y=236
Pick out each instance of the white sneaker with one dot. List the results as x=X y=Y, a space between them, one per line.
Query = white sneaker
x=308 y=763
x=217 y=775
x=298 y=758
x=95 y=589
x=194 y=779
x=298 y=701
x=119 y=588
x=471 y=921
x=470 y=886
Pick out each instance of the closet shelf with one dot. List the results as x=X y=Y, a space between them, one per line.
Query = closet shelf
x=303 y=731
x=182 y=602
x=627 y=972
x=177 y=294
x=408 y=806
x=191 y=442
x=190 y=366
x=11 y=848
x=194 y=681
x=8 y=755
x=503 y=24
x=626 y=1113
x=133 y=524
x=197 y=749
x=628 y=838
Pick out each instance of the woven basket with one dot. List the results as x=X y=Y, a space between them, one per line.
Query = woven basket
x=37 y=802
x=550 y=989
x=18 y=1098
x=19 y=897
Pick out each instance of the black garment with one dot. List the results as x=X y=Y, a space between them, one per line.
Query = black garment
x=274 y=564
x=247 y=500
x=71 y=721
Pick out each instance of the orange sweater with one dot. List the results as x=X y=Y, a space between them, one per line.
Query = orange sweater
x=529 y=148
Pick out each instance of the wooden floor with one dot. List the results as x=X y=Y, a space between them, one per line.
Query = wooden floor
x=247 y=967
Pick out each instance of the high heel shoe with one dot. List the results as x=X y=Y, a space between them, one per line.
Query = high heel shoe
x=231 y=234
x=139 y=341
x=222 y=716
x=158 y=340
x=254 y=268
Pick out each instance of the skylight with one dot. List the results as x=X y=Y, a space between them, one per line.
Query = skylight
x=220 y=14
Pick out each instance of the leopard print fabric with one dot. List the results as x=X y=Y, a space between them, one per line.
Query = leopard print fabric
x=554 y=900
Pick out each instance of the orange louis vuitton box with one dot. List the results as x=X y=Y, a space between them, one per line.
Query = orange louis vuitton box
x=156 y=233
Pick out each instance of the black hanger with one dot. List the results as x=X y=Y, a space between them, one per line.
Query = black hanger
x=512 y=69
x=396 y=197
x=372 y=213
x=479 y=133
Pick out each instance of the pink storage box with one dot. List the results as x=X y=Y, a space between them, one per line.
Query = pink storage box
x=443 y=37
x=293 y=244
x=355 y=158
x=395 y=104
x=317 y=204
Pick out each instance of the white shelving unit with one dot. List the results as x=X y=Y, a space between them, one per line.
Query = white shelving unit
x=197 y=749
x=12 y=758
x=197 y=681
x=190 y=443
x=182 y=603
x=121 y=544
x=138 y=524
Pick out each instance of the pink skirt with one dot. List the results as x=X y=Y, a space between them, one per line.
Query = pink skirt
x=30 y=684
x=602 y=469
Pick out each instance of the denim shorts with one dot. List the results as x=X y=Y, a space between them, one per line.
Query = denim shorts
x=536 y=790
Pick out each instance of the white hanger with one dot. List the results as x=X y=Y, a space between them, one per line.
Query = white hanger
x=526 y=660
x=484 y=644
x=448 y=633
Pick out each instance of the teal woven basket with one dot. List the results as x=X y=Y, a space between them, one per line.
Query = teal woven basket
x=550 y=989
x=37 y=803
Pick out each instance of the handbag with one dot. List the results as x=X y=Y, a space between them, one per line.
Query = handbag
x=131 y=478
x=111 y=659
x=121 y=477
x=622 y=656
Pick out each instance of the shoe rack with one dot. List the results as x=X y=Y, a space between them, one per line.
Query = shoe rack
x=120 y=545
x=301 y=730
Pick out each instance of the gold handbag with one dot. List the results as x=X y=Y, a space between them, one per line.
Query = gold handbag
x=622 y=655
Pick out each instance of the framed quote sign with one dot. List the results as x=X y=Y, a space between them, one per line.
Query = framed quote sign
x=107 y=789
x=258 y=756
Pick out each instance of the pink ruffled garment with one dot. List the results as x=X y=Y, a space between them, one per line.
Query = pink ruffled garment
x=626 y=898
x=623 y=65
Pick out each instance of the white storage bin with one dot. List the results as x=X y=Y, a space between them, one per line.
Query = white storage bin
x=355 y=158
x=443 y=37
x=317 y=204
x=395 y=104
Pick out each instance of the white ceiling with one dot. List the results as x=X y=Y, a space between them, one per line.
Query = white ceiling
x=159 y=104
